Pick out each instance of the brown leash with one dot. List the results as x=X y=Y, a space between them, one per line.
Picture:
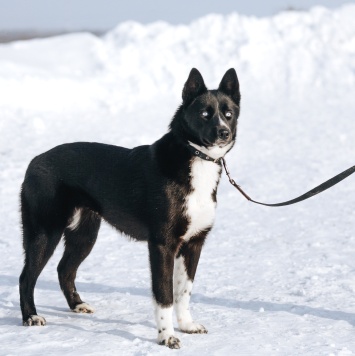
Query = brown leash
x=319 y=189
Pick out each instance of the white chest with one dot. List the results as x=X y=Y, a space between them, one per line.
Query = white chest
x=200 y=207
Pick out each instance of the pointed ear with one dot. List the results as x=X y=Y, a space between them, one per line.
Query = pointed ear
x=230 y=85
x=193 y=87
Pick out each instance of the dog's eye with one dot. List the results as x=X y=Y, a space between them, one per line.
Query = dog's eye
x=204 y=113
x=228 y=114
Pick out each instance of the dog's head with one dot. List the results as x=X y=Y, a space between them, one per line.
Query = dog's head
x=208 y=118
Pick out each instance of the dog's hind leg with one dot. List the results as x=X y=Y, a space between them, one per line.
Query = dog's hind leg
x=162 y=267
x=184 y=273
x=37 y=254
x=80 y=237
x=42 y=230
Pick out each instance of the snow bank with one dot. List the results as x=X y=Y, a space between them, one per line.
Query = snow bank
x=271 y=281
x=286 y=53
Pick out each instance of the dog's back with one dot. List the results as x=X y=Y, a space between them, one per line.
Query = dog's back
x=88 y=175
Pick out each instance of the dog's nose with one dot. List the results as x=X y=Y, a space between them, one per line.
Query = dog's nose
x=223 y=134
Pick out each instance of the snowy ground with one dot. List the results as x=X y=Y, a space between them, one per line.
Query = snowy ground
x=271 y=281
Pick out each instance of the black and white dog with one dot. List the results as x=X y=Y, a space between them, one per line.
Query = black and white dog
x=164 y=193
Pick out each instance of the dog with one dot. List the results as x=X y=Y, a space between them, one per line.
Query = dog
x=164 y=193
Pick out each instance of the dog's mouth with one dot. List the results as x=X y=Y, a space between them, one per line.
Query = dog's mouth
x=222 y=143
x=218 y=143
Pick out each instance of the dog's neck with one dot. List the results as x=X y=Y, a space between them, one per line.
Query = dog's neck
x=215 y=151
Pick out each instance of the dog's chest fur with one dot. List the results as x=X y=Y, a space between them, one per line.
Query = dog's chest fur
x=200 y=203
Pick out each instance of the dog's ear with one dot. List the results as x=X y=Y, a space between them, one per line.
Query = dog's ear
x=230 y=85
x=193 y=87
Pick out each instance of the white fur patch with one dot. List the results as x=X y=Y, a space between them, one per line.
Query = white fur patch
x=200 y=208
x=164 y=320
x=221 y=122
x=75 y=221
x=83 y=308
x=182 y=294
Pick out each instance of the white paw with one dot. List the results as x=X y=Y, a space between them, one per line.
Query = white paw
x=170 y=341
x=83 y=308
x=34 y=320
x=193 y=328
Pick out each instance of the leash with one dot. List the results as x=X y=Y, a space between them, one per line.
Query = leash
x=319 y=189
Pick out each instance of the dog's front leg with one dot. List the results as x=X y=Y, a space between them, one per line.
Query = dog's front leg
x=162 y=267
x=184 y=274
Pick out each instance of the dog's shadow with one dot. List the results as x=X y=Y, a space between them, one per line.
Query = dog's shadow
x=254 y=306
x=116 y=332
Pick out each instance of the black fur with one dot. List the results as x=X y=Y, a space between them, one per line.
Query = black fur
x=142 y=192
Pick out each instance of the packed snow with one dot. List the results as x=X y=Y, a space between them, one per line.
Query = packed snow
x=271 y=281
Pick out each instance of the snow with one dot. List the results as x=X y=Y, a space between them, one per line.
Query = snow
x=277 y=281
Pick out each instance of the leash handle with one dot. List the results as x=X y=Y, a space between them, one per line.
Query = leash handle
x=320 y=188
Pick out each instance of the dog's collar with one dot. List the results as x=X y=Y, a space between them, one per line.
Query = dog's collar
x=200 y=154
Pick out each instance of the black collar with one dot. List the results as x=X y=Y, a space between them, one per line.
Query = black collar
x=199 y=154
